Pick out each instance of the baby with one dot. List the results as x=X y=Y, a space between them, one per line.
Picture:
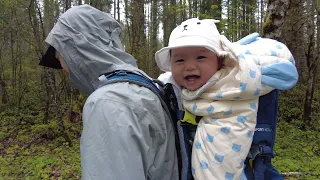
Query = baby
x=220 y=82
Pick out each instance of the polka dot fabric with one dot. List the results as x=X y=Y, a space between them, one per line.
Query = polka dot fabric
x=229 y=108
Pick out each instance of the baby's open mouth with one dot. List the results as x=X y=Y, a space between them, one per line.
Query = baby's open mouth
x=192 y=77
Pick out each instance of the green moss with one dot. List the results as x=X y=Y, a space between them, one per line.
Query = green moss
x=266 y=24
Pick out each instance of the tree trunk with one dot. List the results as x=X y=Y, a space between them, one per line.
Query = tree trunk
x=262 y=13
x=169 y=20
x=312 y=56
x=3 y=89
x=67 y=4
x=295 y=35
x=273 y=26
x=138 y=36
x=47 y=74
x=165 y=22
x=195 y=8
x=115 y=10
x=190 y=8
x=118 y=9
x=233 y=21
x=244 y=24
x=183 y=11
x=13 y=66
x=153 y=70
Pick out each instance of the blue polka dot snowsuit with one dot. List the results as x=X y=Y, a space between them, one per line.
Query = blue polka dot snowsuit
x=228 y=103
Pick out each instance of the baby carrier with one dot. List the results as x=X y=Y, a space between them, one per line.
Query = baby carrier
x=258 y=163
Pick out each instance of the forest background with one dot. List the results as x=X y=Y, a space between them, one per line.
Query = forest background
x=40 y=114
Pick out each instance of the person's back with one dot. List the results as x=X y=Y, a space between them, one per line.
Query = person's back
x=126 y=132
x=127 y=135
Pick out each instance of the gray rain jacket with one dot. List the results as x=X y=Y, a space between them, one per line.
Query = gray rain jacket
x=127 y=135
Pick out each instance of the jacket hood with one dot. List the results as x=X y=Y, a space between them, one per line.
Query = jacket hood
x=89 y=42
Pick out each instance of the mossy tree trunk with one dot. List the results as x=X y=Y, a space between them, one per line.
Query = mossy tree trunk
x=273 y=26
x=295 y=34
x=153 y=71
x=137 y=32
x=312 y=57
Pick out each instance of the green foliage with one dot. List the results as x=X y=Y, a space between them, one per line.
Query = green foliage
x=291 y=104
x=38 y=151
x=47 y=131
x=297 y=147
x=214 y=6
x=2 y=137
x=297 y=151
x=41 y=162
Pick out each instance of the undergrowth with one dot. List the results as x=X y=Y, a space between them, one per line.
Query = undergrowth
x=30 y=149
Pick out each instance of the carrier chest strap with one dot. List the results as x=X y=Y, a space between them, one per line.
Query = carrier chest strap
x=188 y=118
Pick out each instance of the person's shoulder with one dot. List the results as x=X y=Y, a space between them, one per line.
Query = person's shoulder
x=139 y=99
x=124 y=92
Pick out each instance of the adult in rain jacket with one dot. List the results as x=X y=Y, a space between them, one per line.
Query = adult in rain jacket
x=126 y=132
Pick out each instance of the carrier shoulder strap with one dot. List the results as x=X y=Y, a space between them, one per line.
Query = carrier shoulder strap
x=139 y=79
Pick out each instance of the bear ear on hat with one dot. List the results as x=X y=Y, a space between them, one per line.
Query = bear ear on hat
x=49 y=59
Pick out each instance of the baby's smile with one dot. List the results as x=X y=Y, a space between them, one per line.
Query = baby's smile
x=192 y=77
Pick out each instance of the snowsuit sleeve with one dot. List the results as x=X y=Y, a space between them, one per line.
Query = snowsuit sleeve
x=274 y=58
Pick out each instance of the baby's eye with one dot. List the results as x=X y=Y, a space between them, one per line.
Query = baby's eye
x=179 y=60
x=201 y=57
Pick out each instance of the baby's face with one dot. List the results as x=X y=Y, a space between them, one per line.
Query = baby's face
x=192 y=67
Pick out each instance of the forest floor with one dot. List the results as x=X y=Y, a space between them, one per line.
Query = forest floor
x=33 y=151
